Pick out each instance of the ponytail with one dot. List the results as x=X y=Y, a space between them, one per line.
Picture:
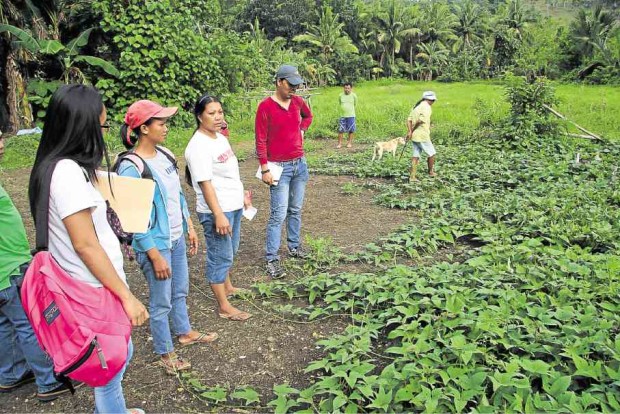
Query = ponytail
x=418 y=103
x=188 y=176
x=129 y=137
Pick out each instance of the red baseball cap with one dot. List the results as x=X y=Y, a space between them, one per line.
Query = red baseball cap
x=141 y=111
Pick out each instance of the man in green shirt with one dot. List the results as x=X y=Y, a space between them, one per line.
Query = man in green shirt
x=348 y=102
x=21 y=359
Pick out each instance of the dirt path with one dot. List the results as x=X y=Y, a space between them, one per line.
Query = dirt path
x=260 y=352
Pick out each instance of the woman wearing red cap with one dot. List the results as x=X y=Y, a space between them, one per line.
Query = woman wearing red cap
x=161 y=252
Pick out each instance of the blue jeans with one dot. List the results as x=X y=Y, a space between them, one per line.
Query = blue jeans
x=110 y=398
x=167 y=298
x=221 y=250
x=19 y=349
x=286 y=201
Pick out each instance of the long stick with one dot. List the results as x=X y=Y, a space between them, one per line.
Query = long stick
x=403 y=150
x=568 y=134
x=582 y=129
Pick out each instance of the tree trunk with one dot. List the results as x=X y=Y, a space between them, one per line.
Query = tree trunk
x=411 y=60
x=20 y=112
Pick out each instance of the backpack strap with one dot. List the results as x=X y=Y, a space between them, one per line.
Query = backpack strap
x=43 y=209
x=135 y=159
x=168 y=155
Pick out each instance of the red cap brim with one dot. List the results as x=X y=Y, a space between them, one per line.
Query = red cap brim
x=166 y=112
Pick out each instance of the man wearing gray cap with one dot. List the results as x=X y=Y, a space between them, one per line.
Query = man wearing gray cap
x=281 y=121
x=419 y=132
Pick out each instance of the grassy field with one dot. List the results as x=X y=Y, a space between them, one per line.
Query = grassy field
x=383 y=108
x=563 y=12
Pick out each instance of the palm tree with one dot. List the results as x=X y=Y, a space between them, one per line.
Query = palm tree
x=411 y=36
x=517 y=17
x=327 y=36
x=437 y=23
x=591 y=30
x=434 y=56
x=471 y=25
x=390 y=35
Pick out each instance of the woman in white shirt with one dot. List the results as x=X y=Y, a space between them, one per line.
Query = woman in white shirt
x=80 y=238
x=213 y=171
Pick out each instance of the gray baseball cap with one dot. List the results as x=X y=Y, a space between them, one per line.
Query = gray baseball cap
x=290 y=73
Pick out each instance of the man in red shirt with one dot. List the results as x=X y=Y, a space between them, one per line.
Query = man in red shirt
x=281 y=121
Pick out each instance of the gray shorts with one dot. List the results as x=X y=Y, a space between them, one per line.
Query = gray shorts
x=426 y=147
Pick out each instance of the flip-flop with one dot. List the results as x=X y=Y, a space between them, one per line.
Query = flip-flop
x=203 y=338
x=239 y=316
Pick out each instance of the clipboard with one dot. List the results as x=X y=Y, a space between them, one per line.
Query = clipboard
x=132 y=200
x=274 y=169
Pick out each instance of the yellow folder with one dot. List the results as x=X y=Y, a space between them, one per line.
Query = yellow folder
x=131 y=199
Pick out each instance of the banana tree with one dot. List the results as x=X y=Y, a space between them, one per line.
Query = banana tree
x=67 y=55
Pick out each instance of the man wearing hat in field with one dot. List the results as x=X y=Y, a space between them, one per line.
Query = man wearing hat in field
x=281 y=121
x=419 y=132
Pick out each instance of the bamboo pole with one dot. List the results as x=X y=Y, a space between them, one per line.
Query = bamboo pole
x=568 y=134
x=582 y=129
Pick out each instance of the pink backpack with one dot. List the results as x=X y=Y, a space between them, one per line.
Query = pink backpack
x=84 y=329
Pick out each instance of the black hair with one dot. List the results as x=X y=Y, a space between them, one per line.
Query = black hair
x=347 y=84
x=199 y=108
x=418 y=103
x=71 y=130
x=129 y=139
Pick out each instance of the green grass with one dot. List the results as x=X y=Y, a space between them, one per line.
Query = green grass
x=383 y=107
x=563 y=12
x=382 y=110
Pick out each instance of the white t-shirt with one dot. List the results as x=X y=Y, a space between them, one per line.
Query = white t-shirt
x=167 y=173
x=69 y=194
x=213 y=160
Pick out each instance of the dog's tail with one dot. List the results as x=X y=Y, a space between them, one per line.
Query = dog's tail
x=375 y=151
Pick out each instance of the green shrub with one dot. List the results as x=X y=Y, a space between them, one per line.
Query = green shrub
x=161 y=54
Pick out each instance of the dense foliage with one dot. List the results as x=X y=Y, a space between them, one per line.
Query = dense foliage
x=173 y=50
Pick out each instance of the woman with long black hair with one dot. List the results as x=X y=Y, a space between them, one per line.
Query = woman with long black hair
x=80 y=238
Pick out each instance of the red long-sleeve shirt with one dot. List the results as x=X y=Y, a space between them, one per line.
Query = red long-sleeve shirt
x=278 y=130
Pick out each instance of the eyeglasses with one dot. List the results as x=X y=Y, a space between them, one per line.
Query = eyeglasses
x=105 y=126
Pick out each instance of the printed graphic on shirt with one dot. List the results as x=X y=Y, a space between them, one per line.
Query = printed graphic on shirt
x=170 y=170
x=225 y=156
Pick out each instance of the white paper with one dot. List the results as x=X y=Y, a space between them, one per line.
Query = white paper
x=250 y=212
x=274 y=169
x=132 y=200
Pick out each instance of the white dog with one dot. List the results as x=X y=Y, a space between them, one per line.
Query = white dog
x=388 y=146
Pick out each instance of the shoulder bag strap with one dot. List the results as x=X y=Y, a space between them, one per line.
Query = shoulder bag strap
x=168 y=155
x=43 y=209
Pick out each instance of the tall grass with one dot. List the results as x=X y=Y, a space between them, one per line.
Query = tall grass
x=382 y=110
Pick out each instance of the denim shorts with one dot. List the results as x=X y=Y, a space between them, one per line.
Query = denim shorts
x=346 y=124
x=427 y=147
x=221 y=250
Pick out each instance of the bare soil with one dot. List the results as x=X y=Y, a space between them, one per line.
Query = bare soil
x=261 y=352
